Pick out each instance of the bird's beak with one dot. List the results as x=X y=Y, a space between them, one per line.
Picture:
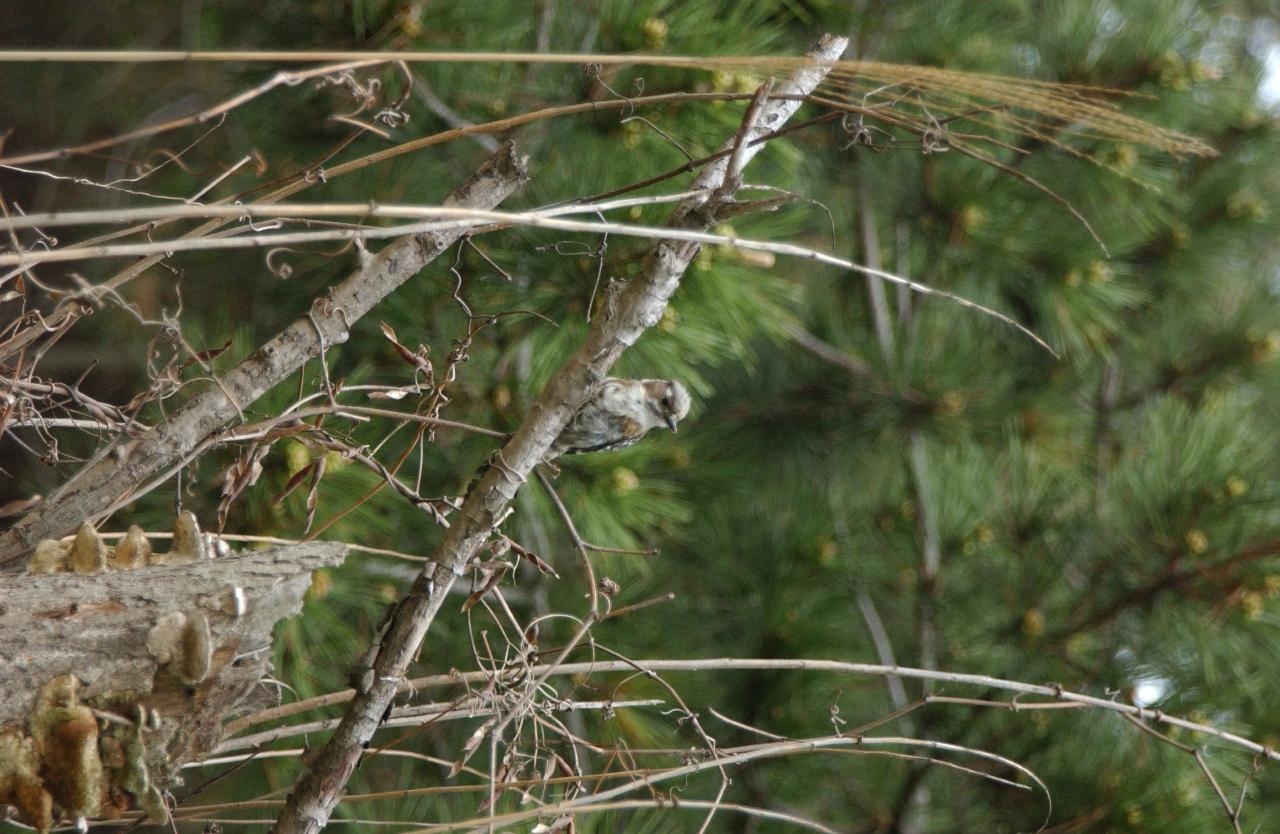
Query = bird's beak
x=671 y=421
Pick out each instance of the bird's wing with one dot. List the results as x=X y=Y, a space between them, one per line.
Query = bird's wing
x=618 y=431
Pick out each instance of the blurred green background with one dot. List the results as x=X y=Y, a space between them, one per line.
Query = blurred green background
x=1107 y=521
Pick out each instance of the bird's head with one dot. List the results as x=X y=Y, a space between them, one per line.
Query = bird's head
x=668 y=399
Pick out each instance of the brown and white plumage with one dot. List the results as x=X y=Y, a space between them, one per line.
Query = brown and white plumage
x=621 y=412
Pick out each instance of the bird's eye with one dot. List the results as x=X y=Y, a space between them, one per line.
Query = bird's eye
x=666 y=403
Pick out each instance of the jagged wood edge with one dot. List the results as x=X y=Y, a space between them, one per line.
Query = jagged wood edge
x=99 y=626
x=95 y=625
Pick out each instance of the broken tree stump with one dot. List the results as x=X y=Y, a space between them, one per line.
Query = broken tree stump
x=117 y=666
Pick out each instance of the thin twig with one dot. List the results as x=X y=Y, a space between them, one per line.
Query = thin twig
x=475 y=218
x=801 y=664
x=102 y=484
x=487 y=503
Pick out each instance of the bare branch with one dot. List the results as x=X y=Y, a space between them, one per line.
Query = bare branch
x=639 y=307
x=477 y=217
x=802 y=664
x=280 y=79
x=94 y=489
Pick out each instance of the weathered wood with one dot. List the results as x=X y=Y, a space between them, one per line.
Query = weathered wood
x=186 y=646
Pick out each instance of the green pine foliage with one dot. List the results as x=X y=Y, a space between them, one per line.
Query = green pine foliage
x=1106 y=520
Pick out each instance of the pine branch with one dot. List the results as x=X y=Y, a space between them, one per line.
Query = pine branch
x=637 y=307
x=1172 y=577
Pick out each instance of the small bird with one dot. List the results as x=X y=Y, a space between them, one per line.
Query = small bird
x=620 y=413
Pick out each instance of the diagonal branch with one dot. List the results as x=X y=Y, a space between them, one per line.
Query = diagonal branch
x=101 y=485
x=636 y=308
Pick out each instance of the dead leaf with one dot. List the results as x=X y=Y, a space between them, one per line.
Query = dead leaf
x=494 y=578
x=296 y=479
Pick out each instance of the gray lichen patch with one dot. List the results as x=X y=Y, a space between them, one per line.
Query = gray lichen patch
x=66 y=737
x=50 y=557
x=133 y=551
x=20 y=782
x=189 y=544
x=87 y=553
x=62 y=763
x=183 y=644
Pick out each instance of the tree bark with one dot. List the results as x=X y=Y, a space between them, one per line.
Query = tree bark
x=138 y=464
x=128 y=637
x=638 y=306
